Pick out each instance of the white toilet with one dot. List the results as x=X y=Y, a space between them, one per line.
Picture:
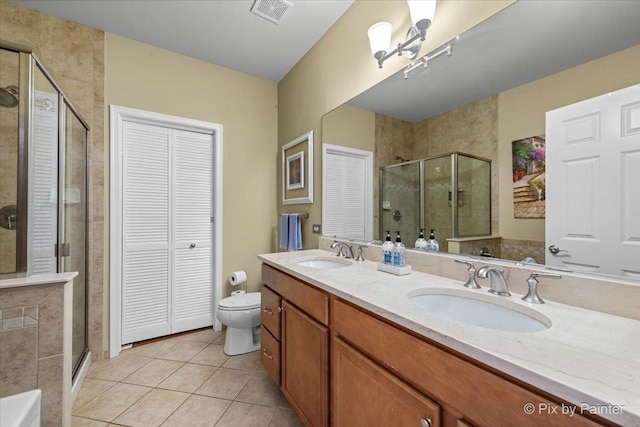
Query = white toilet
x=241 y=315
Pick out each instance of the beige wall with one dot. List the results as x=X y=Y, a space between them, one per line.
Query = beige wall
x=148 y=78
x=521 y=113
x=340 y=66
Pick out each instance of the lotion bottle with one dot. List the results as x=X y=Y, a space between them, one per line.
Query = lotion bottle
x=387 y=248
x=432 y=243
x=398 y=256
x=421 y=243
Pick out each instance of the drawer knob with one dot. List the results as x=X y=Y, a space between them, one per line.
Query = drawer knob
x=264 y=352
x=425 y=422
x=268 y=310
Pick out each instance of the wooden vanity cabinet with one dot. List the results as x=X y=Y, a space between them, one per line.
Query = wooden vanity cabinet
x=299 y=325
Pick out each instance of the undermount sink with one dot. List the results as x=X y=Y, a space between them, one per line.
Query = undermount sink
x=479 y=309
x=323 y=262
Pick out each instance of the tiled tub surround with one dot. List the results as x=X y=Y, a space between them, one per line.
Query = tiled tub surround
x=586 y=357
x=35 y=342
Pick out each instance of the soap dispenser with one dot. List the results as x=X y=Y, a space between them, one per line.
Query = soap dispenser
x=421 y=243
x=398 y=255
x=432 y=243
x=387 y=248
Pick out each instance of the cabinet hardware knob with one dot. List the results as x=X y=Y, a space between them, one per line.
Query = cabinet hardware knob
x=268 y=311
x=425 y=422
x=264 y=352
x=279 y=309
x=193 y=245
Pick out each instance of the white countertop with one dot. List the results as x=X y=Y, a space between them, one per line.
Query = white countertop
x=38 y=279
x=585 y=358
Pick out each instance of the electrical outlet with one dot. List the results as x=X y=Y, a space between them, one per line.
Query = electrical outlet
x=317 y=229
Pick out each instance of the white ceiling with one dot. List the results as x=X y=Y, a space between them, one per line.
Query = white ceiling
x=222 y=32
x=526 y=41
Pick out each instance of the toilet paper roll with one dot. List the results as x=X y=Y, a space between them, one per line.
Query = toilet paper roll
x=234 y=293
x=238 y=277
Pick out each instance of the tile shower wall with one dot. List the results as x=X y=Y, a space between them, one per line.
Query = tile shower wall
x=74 y=55
x=31 y=345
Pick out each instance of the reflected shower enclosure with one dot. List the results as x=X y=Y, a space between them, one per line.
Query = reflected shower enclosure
x=420 y=194
x=44 y=146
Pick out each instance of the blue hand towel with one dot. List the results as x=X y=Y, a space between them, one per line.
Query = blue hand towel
x=295 y=232
x=284 y=231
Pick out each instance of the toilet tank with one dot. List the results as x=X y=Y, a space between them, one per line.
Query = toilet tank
x=21 y=410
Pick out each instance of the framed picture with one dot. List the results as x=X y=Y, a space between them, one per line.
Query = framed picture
x=297 y=170
x=529 y=184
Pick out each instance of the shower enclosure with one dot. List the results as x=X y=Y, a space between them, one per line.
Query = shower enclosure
x=420 y=194
x=43 y=181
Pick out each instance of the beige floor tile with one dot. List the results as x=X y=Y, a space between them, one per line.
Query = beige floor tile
x=91 y=388
x=284 y=403
x=118 y=368
x=220 y=339
x=153 y=373
x=260 y=390
x=212 y=355
x=225 y=384
x=153 y=409
x=246 y=415
x=245 y=362
x=86 y=422
x=285 y=418
x=182 y=351
x=198 y=411
x=151 y=349
x=188 y=378
x=113 y=402
x=206 y=335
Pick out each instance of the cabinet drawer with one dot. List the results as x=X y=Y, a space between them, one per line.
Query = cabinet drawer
x=484 y=398
x=270 y=354
x=311 y=300
x=365 y=394
x=271 y=313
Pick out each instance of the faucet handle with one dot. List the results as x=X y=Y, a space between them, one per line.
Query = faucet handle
x=360 y=248
x=532 y=295
x=471 y=282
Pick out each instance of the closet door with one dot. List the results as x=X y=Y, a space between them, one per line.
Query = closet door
x=146 y=267
x=192 y=207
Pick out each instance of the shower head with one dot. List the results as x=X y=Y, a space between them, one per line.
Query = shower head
x=8 y=96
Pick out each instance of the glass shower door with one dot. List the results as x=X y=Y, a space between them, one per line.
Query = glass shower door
x=73 y=239
x=438 y=198
x=400 y=204
x=474 y=197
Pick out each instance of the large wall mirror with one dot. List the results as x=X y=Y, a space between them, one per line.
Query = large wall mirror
x=495 y=88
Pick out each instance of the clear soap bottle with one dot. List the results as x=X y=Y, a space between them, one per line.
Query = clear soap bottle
x=421 y=243
x=398 y=256
x=432 y=243
x=387 y=248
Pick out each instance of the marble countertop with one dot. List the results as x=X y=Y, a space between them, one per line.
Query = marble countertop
x=587 y=358
x=38 y=279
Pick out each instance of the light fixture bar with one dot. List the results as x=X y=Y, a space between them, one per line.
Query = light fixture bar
x=424 y=61
x=419 y=34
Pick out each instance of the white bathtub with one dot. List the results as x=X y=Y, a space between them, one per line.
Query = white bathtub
x=21 y=410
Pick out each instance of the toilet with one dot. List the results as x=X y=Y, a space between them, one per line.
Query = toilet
x=241 y=315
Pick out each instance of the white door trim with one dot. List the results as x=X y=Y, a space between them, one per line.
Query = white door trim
x=118 y=115
x=367 y=156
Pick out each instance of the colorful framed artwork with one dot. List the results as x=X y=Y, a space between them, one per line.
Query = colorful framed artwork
x=297 y=170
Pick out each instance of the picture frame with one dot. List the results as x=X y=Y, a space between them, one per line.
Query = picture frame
x=297 y=170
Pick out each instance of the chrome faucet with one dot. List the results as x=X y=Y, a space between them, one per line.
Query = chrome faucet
x=343 y=247
x=532 y=296
x=498 y=284
x=360 y=248
x=471 y=282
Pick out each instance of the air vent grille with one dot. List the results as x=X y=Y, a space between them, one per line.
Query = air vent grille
x=271 y=10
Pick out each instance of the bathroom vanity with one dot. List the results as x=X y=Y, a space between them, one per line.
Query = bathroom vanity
x=348 y=347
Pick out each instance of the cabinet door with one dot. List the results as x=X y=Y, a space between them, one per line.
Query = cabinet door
x=305 y=376
x=366 y=395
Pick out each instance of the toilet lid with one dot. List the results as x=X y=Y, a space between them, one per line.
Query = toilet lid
x=241 y=302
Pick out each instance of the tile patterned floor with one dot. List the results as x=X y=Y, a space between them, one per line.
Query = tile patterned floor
x=183 y=381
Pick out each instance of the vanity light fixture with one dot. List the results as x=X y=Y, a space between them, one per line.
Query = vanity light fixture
x=421 y=12
x=424 y=61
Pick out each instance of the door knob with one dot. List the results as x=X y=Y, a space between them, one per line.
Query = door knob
x=555 y=250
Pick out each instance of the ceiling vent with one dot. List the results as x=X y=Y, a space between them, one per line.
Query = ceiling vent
x=271 y=10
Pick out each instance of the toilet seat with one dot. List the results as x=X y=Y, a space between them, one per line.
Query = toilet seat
x=246 y=301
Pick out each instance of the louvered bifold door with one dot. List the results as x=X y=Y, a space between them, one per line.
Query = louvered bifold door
x=343 y=208
x=192 y=281
x=146 y=236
